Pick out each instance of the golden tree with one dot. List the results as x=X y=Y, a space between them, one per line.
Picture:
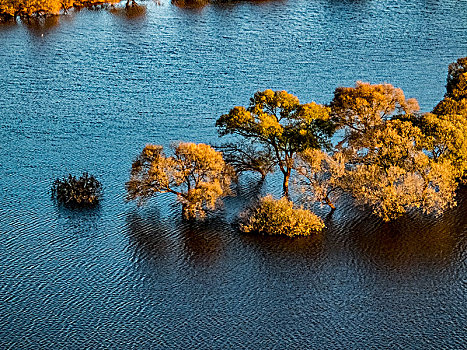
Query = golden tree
x=196 y=174
x=445 y=129
x=391 y=173
x=363 y=107
x=390 y=159
x=276 y=120
x=320 y=176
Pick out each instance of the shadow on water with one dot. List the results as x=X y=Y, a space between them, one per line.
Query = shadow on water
x=150 y=237
x=203 y=243
x=411 y=243
x=303 y=248
x=7 y=24
x=40 y=26
x=153 y=239
x=79 y=221
x=246 y=191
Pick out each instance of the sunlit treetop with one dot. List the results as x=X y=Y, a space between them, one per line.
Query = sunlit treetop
x=196 y=174
x=392 y=173
x=366 y=106
x=277 y=120
x=456 y=86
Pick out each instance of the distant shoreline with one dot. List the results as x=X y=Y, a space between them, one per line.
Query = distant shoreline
x=12 y=10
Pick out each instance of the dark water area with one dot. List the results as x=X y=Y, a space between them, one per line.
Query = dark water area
x=87 y=92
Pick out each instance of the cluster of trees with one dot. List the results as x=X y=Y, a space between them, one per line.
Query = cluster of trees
x=369 y=142
x=33 y=8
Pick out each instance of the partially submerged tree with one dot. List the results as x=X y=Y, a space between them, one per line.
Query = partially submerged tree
x=364 y=107
x=279 y=217
x=444 y=139
x=85 y=191
x=445 y=129
x=392 y=174
x=196 y=174
x=395 y=160
x=276 y=120
x=320 y=176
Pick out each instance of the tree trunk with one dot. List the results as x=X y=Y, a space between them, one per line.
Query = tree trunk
x=329 y=203
x=285 y=184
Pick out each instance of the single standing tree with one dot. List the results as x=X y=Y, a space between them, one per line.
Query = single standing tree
x=196 y=174
x=276 y=120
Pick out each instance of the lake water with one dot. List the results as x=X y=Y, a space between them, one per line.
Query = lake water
x=88 y=93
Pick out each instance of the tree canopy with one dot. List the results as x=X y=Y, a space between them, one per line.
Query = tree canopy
x=391 y=159
x=277 y=120
x=392 y=174
x=196 y=174
x=363 y=107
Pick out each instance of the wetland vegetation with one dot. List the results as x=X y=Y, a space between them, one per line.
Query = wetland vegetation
x=88 y=90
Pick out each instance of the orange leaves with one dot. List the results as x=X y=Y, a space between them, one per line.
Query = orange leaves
x=276 y=121
x=366 y=106
x=196 y=173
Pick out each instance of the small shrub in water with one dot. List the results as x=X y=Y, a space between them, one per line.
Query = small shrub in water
x=278 y=217
x=85 y=191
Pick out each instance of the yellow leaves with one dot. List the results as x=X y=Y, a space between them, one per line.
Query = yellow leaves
x=268 y=125
x=285 y=100
x=396 y=175
x=240 y=116
x=313 y=111
x=411 y=106
x=201 y=156
x=366 y=106
x=196 y=173
x=276 y=99
x=281 y=126
x=279 y=217
x=320 y=175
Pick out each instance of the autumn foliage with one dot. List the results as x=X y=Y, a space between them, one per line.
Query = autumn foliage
x=279 y=217
x=388 y=157
x=196 y=174
x=30 y=8
x=280 y=126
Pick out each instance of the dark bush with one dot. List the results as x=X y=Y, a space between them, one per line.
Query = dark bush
x=85 y=191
